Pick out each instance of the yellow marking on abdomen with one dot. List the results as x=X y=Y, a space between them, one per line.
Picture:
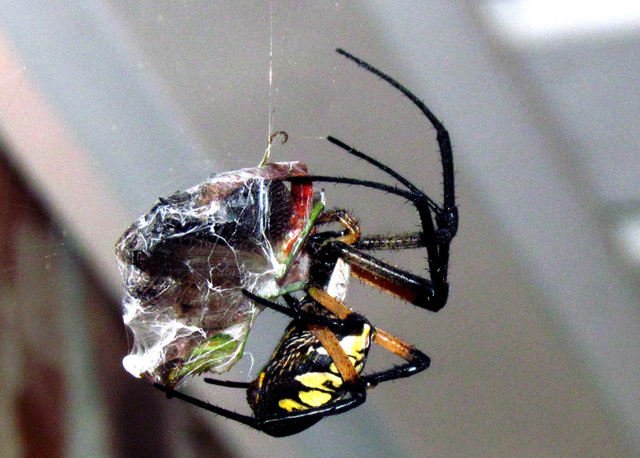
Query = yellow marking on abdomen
x=354 y=346
x=314 y=398
x=320 y=380
x=290 y=405
x=258 y=391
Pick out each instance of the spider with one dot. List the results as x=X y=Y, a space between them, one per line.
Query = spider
x=316 y=368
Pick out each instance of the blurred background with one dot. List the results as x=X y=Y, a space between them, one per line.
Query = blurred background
x=106 y=106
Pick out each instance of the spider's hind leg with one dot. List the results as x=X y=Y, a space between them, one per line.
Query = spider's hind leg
x=416 y=361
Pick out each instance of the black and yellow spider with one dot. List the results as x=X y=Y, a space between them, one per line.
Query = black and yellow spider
x=316 y=369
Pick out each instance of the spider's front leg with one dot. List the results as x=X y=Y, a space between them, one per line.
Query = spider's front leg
x=376 y=272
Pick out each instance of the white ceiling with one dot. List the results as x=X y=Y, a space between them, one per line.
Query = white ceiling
x=108 y=105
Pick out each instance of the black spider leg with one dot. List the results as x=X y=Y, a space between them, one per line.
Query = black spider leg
x=410 y=287
x=295 y=311
x=417 y=361
x=172 y=393
x=271 y=424
x=436 y=238
x=449 y=213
